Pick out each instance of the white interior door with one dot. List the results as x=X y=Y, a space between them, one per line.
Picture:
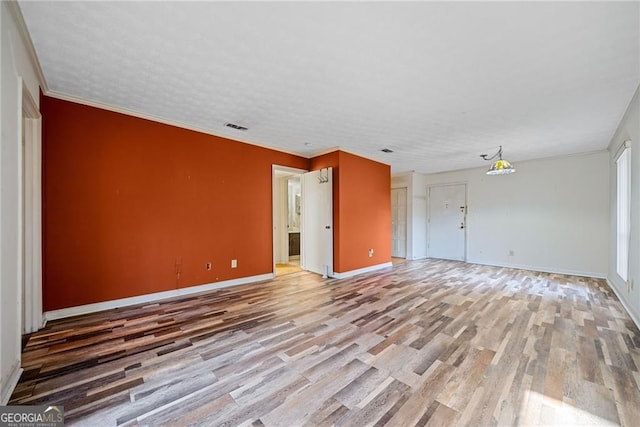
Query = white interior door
x=447 y=221
x=399 y=222
x=317 y=222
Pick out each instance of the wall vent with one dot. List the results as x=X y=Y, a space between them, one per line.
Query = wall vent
x=235 y=126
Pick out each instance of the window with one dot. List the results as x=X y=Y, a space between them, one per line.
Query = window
x=623 y=196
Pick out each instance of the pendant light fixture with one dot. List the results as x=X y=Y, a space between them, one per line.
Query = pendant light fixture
x=500 y=166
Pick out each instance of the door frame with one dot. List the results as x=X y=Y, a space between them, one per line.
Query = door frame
x=32 y=318
x=274 y=210
x=466 y=214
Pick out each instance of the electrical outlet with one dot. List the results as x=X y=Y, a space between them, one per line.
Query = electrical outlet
x=234 y=263
x=511 y=252
x=370 y=253
x=208 y=266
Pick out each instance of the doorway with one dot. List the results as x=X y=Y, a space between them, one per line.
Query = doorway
x=302 y=221
x=447 y=223
x=399 y=222
x=287 y=230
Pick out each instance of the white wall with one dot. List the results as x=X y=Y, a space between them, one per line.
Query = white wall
x=15 y=62
x=552 y=213
x=629 y=129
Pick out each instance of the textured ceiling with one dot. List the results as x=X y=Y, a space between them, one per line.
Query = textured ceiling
x=438 y=83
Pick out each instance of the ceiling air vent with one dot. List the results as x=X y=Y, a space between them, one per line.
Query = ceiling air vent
x=386 y=150
x=235 y=126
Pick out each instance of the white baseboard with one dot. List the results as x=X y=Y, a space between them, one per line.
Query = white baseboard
x=543 y=269
x=627 y=307
x=10 y=385
x=107 y=305
x=361 y=270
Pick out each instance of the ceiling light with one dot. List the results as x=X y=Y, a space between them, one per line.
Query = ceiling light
x=500 y=166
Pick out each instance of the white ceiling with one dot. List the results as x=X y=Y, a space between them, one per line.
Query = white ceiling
x=438 y=83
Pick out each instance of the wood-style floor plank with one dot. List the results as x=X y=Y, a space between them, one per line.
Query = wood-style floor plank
x=427 y=342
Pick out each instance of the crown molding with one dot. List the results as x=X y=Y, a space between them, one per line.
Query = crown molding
x=325 y=151
x=620 y=133
x=364 y=157
x=133 y=113
x=334 y=149
x=140 y=115
x=16 y=14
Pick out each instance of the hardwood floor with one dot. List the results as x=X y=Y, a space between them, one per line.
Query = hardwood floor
x=423 y=343
x=282 y=269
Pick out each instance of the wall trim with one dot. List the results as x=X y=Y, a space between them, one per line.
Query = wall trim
x=148 y=298
x=10 y=385
x=625 y=305
x=369 y=269
x=542 y=269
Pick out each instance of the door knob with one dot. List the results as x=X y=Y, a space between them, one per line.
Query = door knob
x=462 y=225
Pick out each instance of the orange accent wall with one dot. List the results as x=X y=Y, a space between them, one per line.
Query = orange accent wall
x=132 y=206
x=361 y=210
